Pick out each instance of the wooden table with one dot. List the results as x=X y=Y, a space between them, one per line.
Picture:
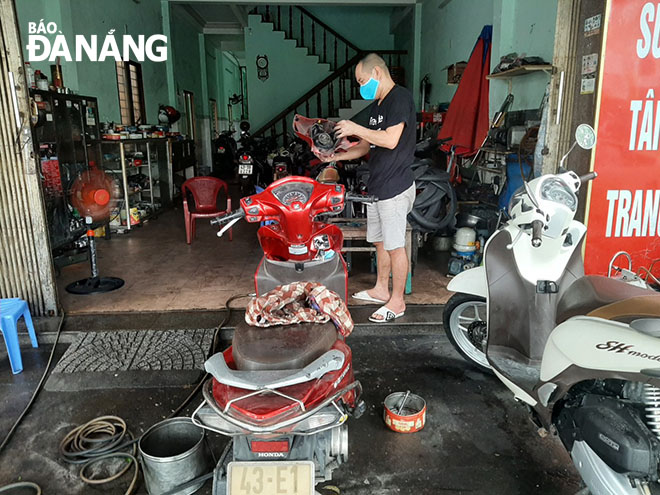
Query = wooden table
x=355 y=229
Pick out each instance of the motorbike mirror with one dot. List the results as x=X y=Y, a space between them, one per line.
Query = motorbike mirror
x=585 y=136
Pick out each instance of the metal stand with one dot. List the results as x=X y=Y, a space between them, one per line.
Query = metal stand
x=94 y=283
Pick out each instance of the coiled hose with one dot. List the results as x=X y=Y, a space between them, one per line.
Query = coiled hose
x=98 y=440
x=21 y=484
x=436 y=204
x=108 y=437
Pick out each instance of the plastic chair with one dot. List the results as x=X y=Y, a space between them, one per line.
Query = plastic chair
x=10 y=312
x=204 y=191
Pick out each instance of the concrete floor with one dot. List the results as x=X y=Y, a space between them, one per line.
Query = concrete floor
x=477 y=439
x=163 y=273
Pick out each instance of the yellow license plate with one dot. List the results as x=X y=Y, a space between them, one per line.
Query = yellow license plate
x=271 y=478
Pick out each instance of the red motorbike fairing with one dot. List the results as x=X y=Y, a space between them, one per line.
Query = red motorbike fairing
x=268 y=408
x=291 y=237
x=319 y=135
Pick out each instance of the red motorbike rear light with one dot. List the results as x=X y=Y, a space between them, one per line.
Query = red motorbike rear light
x=245 y=157
x=276 y=446
x=221 y=148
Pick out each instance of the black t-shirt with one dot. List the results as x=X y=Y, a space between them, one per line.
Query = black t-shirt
x=389 y=170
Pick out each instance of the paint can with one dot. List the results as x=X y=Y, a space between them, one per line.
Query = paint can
x=404 y=412
x=173 y=452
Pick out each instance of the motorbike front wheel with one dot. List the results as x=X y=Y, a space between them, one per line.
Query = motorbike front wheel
x=461 y=318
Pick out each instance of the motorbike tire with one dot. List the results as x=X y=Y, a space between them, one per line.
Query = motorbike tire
x=454 y=309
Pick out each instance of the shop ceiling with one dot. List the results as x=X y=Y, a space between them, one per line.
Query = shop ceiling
x=223 y=21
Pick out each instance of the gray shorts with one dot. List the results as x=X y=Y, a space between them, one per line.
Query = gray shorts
x=386 y=220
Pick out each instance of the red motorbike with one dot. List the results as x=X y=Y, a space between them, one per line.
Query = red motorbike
x=284 y=393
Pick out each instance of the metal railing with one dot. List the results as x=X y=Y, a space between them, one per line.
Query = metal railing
x=326 y=98
x=310 y=32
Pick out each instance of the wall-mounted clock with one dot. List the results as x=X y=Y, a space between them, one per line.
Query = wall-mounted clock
x=262 y=67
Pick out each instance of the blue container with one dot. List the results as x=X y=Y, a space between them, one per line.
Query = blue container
x=513 y=179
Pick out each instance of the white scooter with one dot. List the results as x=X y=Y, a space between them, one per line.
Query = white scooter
x=583 y=352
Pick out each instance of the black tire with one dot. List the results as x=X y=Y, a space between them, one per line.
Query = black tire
x=459 y=302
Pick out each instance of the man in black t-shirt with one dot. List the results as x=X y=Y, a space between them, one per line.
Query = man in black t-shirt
x=390 y=141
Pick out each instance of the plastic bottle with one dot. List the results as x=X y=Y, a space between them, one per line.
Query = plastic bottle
x=29 y=74
x=41 y=80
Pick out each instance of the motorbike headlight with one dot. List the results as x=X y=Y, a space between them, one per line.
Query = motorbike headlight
x=557 y=191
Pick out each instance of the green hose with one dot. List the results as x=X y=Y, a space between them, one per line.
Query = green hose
x=21 y=484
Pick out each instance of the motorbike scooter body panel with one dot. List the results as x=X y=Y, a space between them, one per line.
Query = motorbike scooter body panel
x=598 y=344
x=520 y=315
x=549 y=260
x=331 y=273
x=472 y=281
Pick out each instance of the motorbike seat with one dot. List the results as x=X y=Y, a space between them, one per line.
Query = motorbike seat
x=591 y=293
x=287 y=347
x=631 y=309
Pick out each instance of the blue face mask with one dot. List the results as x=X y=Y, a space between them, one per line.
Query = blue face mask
x=368 y=90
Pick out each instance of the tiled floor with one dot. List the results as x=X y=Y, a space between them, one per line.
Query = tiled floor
x=163 y=273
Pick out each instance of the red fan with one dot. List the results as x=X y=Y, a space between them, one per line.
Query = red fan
x=94 y=194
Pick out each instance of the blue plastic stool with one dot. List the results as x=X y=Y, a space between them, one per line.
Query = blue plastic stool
x=10 y=312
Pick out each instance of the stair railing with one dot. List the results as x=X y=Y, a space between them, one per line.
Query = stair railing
x=310 y=32
x=336 y=91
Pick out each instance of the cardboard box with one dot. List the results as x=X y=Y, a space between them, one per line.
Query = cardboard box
x=455 y=71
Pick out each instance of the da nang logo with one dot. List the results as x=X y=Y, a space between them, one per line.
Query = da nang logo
x=93 y=48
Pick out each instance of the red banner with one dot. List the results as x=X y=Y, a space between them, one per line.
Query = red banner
x=625 y=198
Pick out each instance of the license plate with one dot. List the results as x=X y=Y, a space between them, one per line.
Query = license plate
x=244 y=169
x=271 y=477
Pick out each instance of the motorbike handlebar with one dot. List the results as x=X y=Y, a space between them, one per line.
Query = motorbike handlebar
x=361 y=198
x=228 y=217
x=587 y=177
x=537 y=232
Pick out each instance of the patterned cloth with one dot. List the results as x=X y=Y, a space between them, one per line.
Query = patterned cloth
x=299 y=302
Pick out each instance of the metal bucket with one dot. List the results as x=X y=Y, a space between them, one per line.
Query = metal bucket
x=409 y=419
x=173 y=452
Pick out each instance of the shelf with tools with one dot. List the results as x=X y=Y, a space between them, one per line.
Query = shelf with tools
x=141 y=169
x=521 y=70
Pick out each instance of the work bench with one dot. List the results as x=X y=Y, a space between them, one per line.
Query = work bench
x=355 y=229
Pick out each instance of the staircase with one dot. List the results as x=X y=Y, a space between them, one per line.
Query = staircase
x=337 y=95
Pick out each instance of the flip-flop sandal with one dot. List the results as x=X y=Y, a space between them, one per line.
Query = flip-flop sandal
x=363 y=295
x=386 y=314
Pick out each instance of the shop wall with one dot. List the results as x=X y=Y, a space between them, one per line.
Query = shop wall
x=187 y=59
x=522 y=26
x=49 y=11
x=450 y=33
x=291 y=72
x=231 y=80
x=366 y=27
x=211 y=54
x=448 y=36
x=404 y=40
x=99 y=79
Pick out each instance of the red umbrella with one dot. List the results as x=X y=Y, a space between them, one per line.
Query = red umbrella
x=466 y=122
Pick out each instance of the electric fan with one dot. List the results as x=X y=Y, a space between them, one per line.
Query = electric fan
x=93 y=194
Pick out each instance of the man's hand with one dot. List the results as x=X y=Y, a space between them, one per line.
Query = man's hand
x=345 y=128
